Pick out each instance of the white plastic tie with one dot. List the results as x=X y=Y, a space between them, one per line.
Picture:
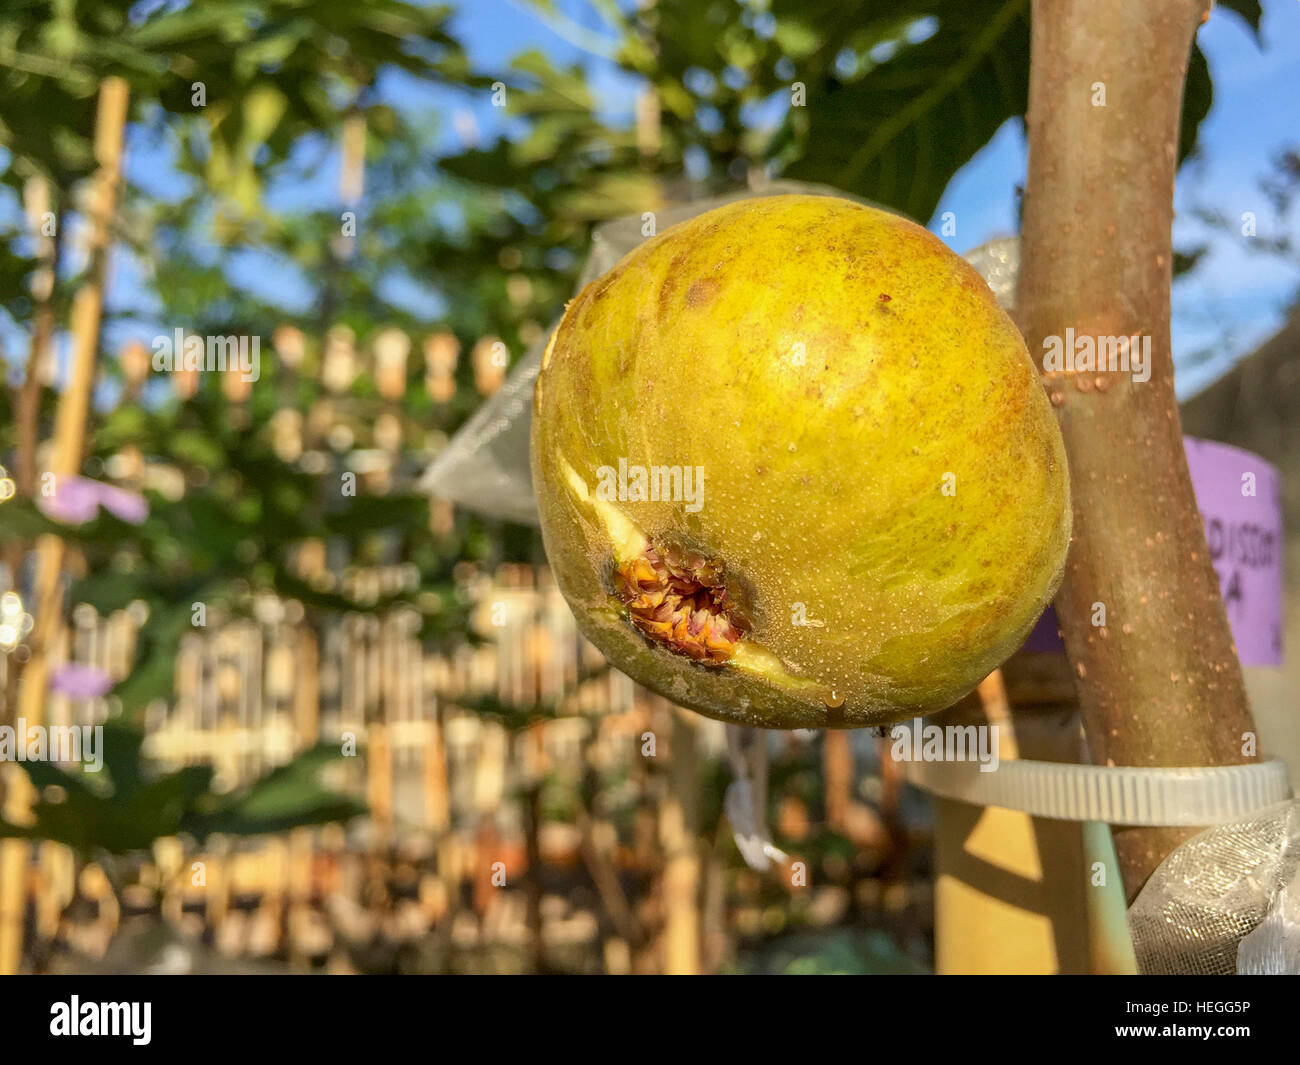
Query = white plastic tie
x=1116 y=795
x=745 y=802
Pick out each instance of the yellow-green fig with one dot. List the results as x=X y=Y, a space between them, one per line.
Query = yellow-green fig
x=795 y=468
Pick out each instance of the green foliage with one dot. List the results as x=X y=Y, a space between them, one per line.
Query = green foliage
x=271 y=71
x=893 y=114
x=489 y=236
x=291 y=796
x=908 y=111
x=896 y=98
x=235 y=531
x=133 y=807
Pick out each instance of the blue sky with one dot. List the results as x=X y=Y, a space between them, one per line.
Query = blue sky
x=1234 y=299
x=1235 y=293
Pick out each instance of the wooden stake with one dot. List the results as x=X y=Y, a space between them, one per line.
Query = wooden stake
x=678 y=833
x=69 y=442
x=306 y=687
x=837 y=767
x=379 y=780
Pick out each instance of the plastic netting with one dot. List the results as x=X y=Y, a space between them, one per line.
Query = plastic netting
x=1226 y=901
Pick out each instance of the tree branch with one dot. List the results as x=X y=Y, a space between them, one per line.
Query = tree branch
x=1159 y=683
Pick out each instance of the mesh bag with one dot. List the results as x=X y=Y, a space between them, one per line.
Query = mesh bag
x=1227 y=901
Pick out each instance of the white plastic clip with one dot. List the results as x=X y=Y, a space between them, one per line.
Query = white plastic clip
x=1116 y=795
x=745 y=802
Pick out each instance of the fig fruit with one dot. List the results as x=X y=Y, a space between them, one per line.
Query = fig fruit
x=795 y=468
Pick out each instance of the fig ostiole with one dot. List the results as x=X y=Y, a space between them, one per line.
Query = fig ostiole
x=796 y=469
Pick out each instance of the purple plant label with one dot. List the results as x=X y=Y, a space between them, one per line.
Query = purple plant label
x=1239 y=497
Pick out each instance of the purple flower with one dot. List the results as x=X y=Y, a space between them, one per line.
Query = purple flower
x=80 y=682
x=125 y=505
x=77 y=500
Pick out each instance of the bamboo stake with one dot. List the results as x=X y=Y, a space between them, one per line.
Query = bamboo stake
x=379 y=780
x=837 y=763
x=678 y=834
x=306 y=687
x=437 y=799
x=69 y=442
x=74 y=402
x=1159 y=683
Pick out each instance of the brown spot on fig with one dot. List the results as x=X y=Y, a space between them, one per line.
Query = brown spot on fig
x=702 y=292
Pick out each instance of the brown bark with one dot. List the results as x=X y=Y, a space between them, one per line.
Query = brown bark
x=1159 y=683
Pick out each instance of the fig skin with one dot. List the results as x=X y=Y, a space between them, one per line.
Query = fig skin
x=828 y=365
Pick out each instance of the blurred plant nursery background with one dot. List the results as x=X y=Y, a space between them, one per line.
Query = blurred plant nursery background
x=348 y=724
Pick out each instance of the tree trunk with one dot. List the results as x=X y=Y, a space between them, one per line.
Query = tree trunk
x=1158 y=677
